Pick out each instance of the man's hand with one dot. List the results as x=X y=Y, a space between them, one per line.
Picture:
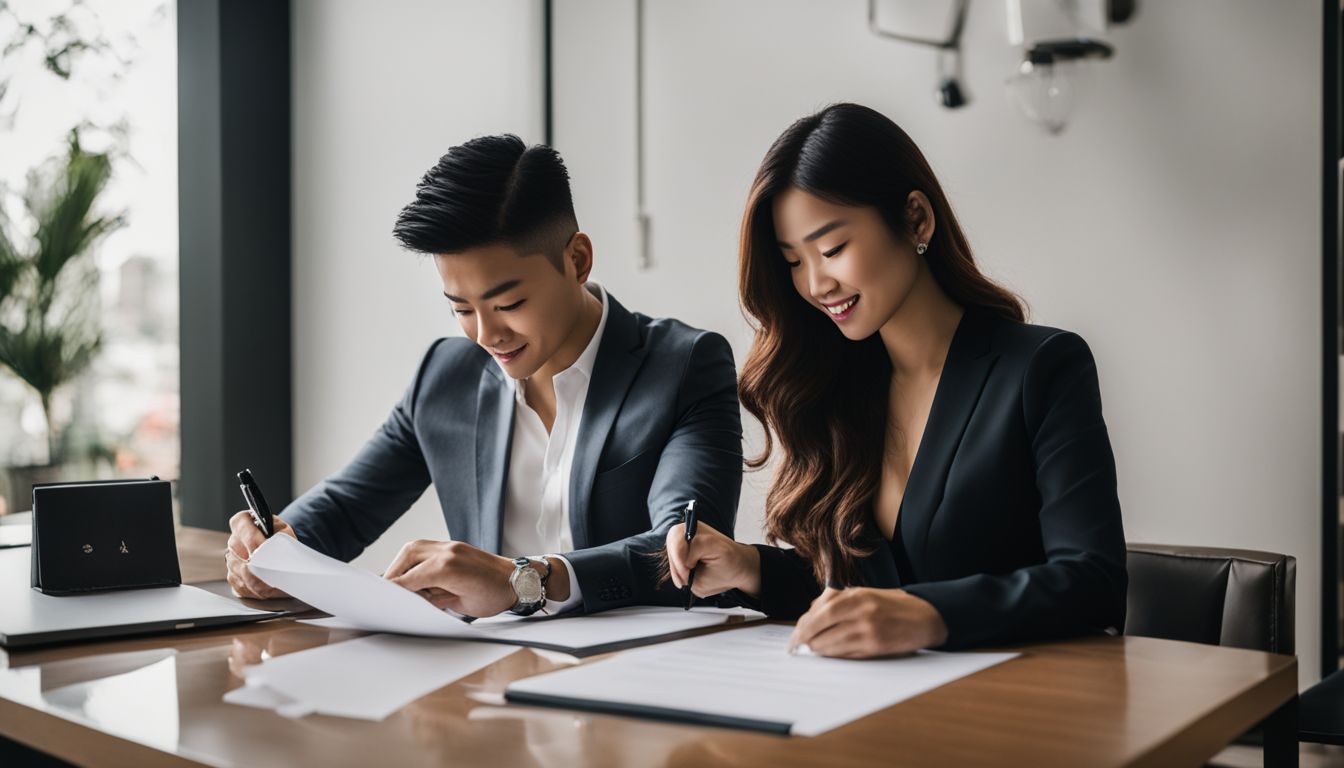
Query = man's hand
x=863 y=623
x=462 y=578
x=244 y=538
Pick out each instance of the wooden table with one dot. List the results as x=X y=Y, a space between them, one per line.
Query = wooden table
x=1095 y=702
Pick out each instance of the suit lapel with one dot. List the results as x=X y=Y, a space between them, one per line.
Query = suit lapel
x=494 y=439
x=969 y=361
x=880 y=570
x=619 y=356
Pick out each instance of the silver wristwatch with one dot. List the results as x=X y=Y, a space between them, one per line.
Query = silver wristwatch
x=528 y=586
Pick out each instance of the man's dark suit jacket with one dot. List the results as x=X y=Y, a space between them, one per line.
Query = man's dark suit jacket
x=1010 y=523
x=660 y=427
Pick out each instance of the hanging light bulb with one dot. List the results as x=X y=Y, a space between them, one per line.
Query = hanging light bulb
x=1043 y=90
x=1046 y=86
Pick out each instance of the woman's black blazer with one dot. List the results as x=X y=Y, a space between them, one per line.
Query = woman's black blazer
x=1010 y=524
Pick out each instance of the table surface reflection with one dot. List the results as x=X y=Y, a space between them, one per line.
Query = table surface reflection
x=158 y=700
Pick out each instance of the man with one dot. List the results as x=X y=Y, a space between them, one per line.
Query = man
x=563 y=436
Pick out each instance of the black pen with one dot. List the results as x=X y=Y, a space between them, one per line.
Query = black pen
x=690 y=534
x=261 y=512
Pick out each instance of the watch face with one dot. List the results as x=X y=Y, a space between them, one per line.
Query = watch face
x=527 y=585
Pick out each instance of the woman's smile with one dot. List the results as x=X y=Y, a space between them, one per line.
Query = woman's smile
x=843 y=309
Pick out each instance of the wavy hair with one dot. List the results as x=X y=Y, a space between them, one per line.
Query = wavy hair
x=822 y=398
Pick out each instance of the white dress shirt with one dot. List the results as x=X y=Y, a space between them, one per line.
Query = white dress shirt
x=536 y=499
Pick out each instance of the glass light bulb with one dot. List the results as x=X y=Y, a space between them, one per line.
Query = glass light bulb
x=1045 y=92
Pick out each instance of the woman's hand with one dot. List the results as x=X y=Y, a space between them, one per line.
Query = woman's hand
x=862 y=623
x=720 y=563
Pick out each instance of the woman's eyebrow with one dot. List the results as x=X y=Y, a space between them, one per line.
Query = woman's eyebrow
x=823 y=229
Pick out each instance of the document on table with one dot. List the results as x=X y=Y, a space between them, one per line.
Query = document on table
x=367 y=678
x=15 y=536
x=747 y=679
x=358 y=599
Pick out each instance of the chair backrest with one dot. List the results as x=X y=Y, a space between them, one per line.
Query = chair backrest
x=1231 y=597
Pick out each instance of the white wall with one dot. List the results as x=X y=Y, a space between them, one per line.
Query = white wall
x=1175 y=224
x=381 y=90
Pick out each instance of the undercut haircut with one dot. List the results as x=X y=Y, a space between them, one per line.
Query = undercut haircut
x=493 y=190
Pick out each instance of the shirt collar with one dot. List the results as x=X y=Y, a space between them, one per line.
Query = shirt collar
x=587 y=359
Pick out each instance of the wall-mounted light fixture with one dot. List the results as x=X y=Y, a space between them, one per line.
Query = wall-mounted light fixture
x=950 y=92
x=1057 y=38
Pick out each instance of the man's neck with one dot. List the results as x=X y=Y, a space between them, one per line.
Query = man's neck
x=539 y=388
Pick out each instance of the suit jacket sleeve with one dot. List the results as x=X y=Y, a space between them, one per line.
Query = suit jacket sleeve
x=702 y=460
x=346 y=512
x=1081 y=586
x=788 y=585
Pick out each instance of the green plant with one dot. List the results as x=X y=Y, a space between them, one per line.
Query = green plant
x=49 y=328
x=63 y=39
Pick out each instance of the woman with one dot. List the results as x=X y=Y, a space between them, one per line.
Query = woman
x=942 y=460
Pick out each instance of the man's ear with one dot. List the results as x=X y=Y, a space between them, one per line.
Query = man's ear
x=579 y=252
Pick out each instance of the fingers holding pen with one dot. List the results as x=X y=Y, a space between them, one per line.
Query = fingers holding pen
x=679 y=562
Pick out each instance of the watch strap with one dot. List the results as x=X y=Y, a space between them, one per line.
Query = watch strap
x=526 y=608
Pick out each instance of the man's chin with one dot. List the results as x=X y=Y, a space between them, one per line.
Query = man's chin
x=518 y=373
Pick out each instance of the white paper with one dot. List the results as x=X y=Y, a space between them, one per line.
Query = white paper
x=368 y=678
x=363 y=599
x=748 y=673
x=16 y=535
x=358 y=599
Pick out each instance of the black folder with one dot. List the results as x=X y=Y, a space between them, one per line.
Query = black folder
x=103 y=535
x=652 y=713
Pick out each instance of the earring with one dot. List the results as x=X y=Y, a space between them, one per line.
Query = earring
x=921 y=248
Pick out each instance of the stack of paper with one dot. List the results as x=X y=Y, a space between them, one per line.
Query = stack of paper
x=358 y=599
x=368 y=678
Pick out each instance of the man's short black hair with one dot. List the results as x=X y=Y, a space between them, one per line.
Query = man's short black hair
x=488 y=191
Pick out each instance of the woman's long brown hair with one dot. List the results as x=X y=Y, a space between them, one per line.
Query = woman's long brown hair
x=821 y=397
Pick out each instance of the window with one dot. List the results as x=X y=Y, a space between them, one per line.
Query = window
x=89 y=352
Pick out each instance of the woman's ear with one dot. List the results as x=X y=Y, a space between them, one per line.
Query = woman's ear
x=919 y=215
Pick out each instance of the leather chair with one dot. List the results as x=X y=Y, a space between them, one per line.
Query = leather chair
x=1321 y=712
x=1233 y=597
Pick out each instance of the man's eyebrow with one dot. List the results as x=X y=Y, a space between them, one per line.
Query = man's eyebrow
x=504 y=287
x=823 y=229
